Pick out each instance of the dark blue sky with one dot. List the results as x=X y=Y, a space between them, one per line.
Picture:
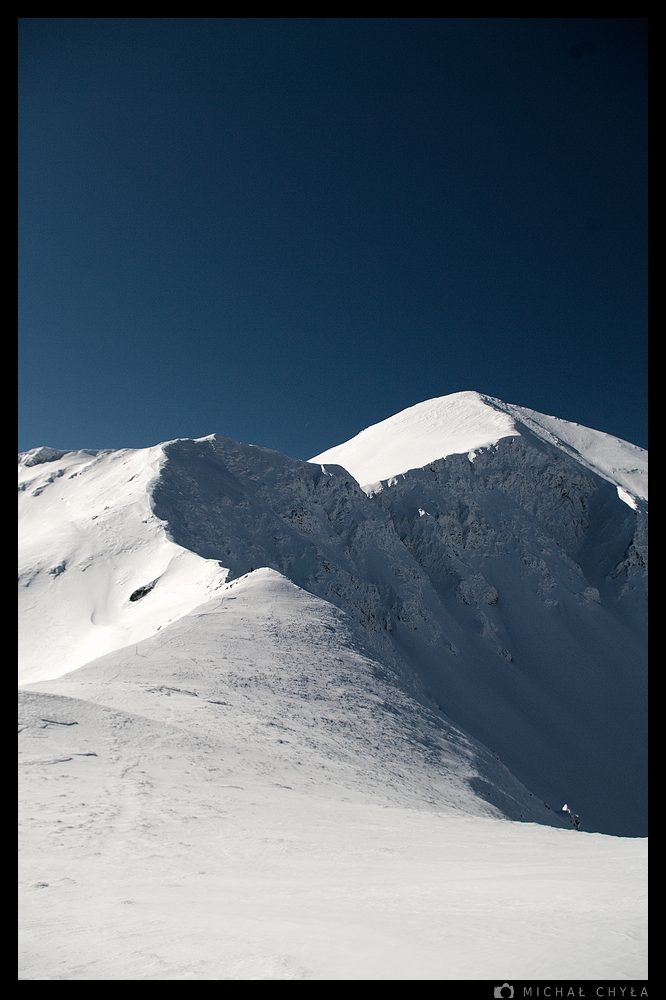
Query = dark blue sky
x=285 y=230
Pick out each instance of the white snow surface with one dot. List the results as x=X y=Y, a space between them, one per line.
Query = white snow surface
x=467 y=421
x=248 y=796
x=448 y=425
x=302 y=750
x=88 y=539
x=523 y=543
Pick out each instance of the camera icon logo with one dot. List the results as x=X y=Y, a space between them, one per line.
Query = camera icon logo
x=504 y=992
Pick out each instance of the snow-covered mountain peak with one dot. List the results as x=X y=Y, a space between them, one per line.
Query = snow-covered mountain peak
x=40 y=456
x=249 y=681
x=465 y=422
x=501 y=585
x=433 y=429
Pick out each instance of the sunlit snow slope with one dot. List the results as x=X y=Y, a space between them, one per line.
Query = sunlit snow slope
x=88 y=541
x=249 y=795
x=276 y=680
x=274 y=725
x=466 y=421
x=504 y=585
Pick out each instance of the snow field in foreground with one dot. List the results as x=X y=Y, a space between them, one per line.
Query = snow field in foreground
x=150 y=860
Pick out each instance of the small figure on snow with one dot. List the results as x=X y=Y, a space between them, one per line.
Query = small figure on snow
x=575 y=820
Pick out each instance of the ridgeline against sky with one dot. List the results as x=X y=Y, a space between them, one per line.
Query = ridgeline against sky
x=285 y=230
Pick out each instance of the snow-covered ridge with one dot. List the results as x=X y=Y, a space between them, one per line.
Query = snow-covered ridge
x=317 y=710
x=423 y=433
x=501 y=587
x=306 y=689
x=464 y=422
x=620 y=462
x=40 y=456
x=89 y=541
